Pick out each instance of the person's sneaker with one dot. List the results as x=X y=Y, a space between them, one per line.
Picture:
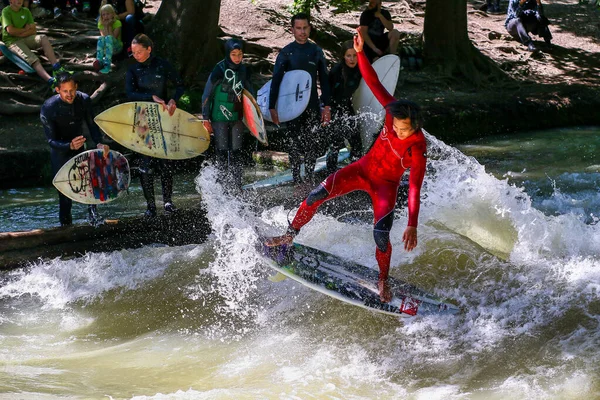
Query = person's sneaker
x=61 y=70
x=105 y=70
x=40 y=12
x=86 y=6
x=531 y=47
x=170 y=207
x=97 y=65
x=150 y=213
x=57 y=13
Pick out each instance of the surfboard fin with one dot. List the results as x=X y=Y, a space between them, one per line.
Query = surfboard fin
x=278 y=277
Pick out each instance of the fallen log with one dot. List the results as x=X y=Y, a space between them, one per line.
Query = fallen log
x=19 y=249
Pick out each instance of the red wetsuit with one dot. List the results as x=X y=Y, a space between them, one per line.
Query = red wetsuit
x=378 y=173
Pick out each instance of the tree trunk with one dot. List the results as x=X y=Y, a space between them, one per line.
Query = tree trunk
x=447 y=44
x=185 y=32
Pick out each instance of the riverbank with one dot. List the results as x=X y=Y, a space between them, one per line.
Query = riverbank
x=453 y=117
x=557 y=88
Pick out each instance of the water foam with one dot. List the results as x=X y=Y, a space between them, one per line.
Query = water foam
x=57 y=283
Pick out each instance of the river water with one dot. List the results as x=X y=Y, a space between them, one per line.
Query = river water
x=514 y=242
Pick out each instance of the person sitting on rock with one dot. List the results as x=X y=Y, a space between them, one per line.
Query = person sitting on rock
x=526 y=16
x=109 y=42
x=132 y=23
x=373 y=23
x=19 y=35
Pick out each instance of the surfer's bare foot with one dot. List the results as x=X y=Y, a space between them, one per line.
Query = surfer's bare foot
x=279 y=240
x=385 y=293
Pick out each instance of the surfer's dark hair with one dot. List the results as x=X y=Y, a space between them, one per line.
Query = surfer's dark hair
x=347 y=45
x=301 y=16
x=63 y=77
x=403 y=109
x=142 y=40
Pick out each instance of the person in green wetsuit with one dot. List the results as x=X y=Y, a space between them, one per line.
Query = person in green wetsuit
x=223 y=111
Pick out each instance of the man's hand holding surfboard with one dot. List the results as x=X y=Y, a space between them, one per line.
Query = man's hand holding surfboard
x=78 y=142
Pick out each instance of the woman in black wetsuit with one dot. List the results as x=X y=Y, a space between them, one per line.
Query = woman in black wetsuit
x=344 y=78
x=147 y=80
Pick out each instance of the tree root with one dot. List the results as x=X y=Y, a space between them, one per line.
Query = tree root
x=6 y=108
x=98 y=93
x=17 y=91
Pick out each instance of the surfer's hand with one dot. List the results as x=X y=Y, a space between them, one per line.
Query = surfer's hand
x=171 y=107
x=410 y=238
x=77 y=142
x=105 y=149
x=208 y=126
x=385 y=294
x=274 y=116
x=359 y=42
x=326 y=115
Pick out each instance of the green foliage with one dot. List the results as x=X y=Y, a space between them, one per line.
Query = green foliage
x=342 y=5
x=191 y=101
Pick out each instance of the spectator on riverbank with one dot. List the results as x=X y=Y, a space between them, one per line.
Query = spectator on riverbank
x=109 y=43
x=130 y=17
x=19 y=34
x=524 y=17
x=373 y=23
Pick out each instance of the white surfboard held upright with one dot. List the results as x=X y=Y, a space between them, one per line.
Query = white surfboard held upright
x=293 y=98
x=364 y=101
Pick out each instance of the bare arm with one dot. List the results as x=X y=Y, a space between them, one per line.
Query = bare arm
x=116 y=32
x=27 y=30
x=364 y=30
x=388 y=24
x=130 y=10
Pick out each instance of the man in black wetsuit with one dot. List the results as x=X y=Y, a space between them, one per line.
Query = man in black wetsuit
x=303 y=132
x=373 y=23
x=63 y=116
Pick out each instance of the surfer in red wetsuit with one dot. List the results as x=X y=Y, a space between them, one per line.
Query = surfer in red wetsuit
x=400 y=145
